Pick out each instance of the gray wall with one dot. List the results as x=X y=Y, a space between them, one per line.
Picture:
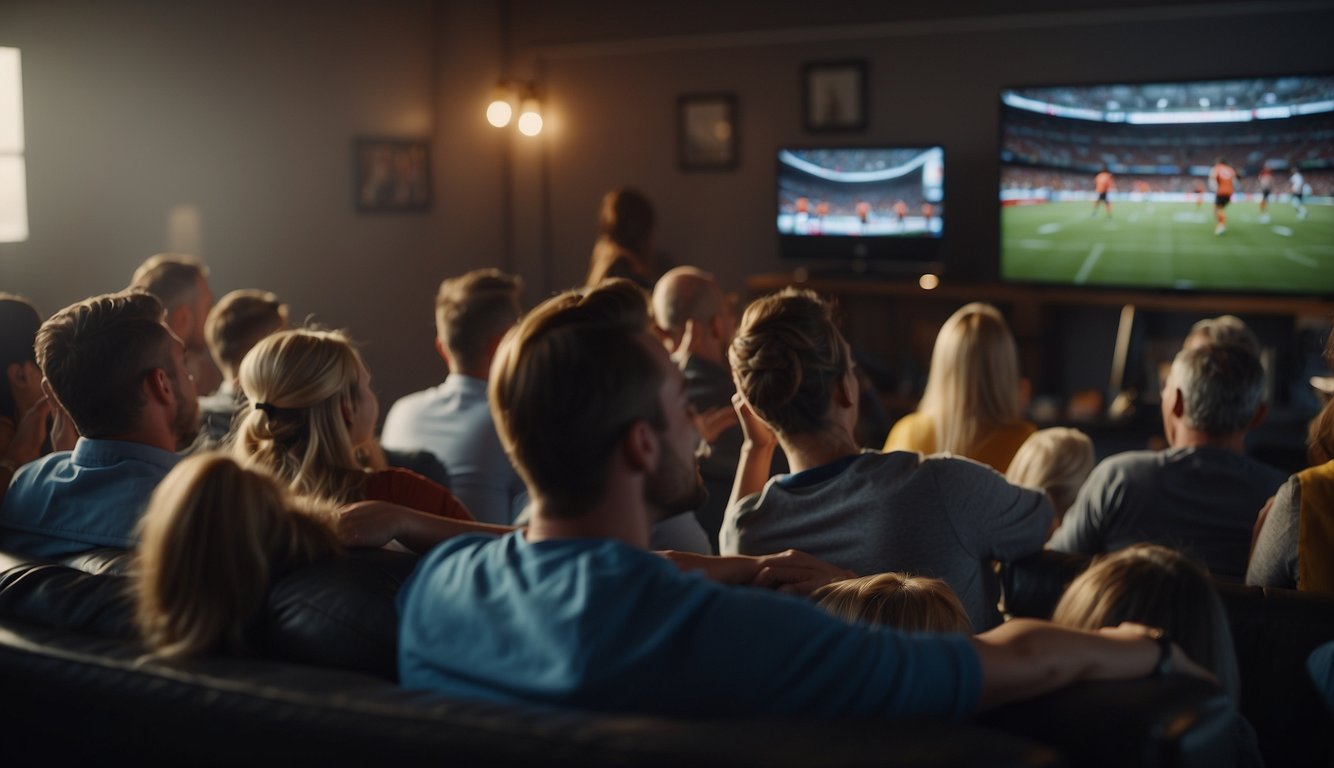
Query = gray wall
x=246 y=110
x=613 y=78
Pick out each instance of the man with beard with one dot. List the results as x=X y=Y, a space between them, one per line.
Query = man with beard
x=120 y=374
x=575 y=612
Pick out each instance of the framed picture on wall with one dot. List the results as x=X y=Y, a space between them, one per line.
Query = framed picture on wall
x=391 y=175
x=707 y=132
x=834 y=96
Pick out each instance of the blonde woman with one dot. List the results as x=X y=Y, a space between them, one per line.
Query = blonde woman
x=909 y=603
x=971 y=406
x=213 y=538
x=311 y=409
x=1057 y=461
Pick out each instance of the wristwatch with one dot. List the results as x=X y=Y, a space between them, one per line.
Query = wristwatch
x=1164 y=640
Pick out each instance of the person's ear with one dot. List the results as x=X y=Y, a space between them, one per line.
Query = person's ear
x=640 y=447
x=1178 y=402
x=180 y=319
x=345 y=406
x=157 y=385
x=843 y=391
x=1260 y=413
x=444 y=353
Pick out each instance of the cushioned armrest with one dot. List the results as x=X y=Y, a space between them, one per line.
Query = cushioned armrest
x=55 y=595
x=1175 y=721
x=1031 y=586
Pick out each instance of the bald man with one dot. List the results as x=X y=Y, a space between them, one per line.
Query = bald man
x=694 y=319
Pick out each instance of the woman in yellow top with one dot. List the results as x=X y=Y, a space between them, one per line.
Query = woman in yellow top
x=971 y=404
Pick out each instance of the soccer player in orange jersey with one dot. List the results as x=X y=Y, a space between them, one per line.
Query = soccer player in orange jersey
x=1199 y=194
x=864 y=213
x=1222 y=179
x=1266 y=187
x=1102 y=184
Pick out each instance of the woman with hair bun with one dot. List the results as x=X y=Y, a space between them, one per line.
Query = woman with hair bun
x=865 y=511
x=971 y=406
x=311 y=409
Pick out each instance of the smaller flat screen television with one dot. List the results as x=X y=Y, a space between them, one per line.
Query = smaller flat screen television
x=867 y=207
x=1208 y=185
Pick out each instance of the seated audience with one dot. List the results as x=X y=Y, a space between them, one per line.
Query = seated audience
x=942 y=517
x=695 y=320
x=1153 y=585
x=180 y=282
x=23 y=408
x=214 y=537
x=575 y=612
x=119 y=373
x=971 y=406
x=453 y=420
x=1056 y=461
x=235 y=324
x=1201 y=495
x=909 y=603
x=624 y=247
x=312 y=408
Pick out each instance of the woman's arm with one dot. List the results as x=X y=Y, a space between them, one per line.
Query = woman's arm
x=787 y=571
x=757 y=452
x=375 y=523
x=1024 y=658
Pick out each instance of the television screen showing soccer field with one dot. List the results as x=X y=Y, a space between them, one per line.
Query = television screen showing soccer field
x=861 y=192
x=1222 y=185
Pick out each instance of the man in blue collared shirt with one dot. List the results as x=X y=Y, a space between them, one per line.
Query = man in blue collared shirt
x=453 y=421
x=120 y=374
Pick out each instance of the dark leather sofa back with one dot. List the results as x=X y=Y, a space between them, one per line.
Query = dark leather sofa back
x=338 y=612
x=1274 y=632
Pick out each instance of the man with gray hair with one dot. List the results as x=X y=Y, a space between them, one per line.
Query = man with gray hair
x=1201 y=495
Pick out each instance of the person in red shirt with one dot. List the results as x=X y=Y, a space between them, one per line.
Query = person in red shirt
x=900 y=211
x=1199 y=194
x=1102 y=184
x=864 y=213
x=1222 y=179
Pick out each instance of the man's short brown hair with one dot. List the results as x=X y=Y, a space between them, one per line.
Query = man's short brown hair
x=95 y=354
x=171 y=277
x=473 y=309
x=238 y=321
x=568 y=381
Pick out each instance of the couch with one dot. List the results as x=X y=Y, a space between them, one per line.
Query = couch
x=75 y=686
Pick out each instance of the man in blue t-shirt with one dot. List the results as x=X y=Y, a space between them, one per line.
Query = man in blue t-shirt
x=574 y=611
x=120 y=374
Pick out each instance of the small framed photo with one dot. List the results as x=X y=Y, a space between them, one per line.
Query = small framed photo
x=707 y=132
x=391 y=175
x=834 y=96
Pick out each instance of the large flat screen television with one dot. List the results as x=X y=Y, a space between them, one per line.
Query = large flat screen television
x=1215 y=185
x=878 y=207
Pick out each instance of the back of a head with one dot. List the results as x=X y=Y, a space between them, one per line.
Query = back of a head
x=19 y=321
x=568 y=380
x=238 y=321
x=1224 y=329
x=788 y=357
x=471 y=311
x=626 y=218
x=973 y=385
x=685 y=293
x=1056 y=460
x=1223 y=385
x=909 y=603
x=297 y=382
x=1159 y=587
x=214 y=536
x=171 y=277
x=95 y=355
